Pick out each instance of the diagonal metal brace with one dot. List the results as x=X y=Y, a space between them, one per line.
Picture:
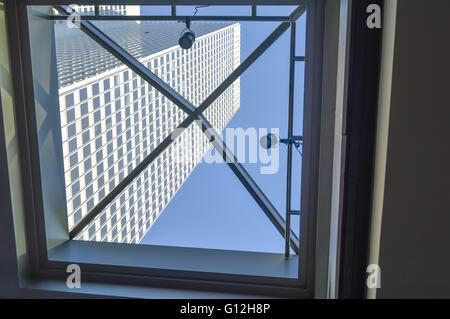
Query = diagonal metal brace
x=247 y=181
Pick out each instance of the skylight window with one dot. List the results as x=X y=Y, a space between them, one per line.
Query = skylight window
x=155 y=150
x=128 y=152
x=216 y=167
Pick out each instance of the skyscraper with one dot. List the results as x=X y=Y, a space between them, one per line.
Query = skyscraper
x=107 y=9
x=112 y=119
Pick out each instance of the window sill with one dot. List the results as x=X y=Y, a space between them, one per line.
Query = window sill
x=52 y=288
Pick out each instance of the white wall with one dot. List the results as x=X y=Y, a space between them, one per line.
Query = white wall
x=414 y=245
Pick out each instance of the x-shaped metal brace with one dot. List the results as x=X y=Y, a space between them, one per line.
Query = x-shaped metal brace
x=195 y=114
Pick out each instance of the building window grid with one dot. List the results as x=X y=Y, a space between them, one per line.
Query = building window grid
x=165 y=202
x=182 y=172
x=205 y=144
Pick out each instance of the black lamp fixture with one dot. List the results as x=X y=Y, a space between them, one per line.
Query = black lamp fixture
x=187 y=37
x=268 y=141
x=271 y=141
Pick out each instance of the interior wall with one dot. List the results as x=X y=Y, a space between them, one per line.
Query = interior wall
x=13 y=250
x=48 y=123
x=414 y=247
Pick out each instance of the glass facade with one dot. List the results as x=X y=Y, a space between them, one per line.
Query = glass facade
x=112 y=119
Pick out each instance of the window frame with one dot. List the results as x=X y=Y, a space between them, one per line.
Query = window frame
x=50 y=261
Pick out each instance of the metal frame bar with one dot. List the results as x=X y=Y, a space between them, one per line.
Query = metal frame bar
x=312 y=120
x=168 y=2
x=287 y=234
x=173 y=16
x=177 y=18
x=194 y=113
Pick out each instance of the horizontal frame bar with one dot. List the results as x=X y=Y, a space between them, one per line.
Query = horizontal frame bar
x=204 y=269
x=177 y=18
x=168 y=2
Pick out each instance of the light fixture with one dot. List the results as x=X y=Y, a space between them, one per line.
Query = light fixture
x=268 y=141
x=271 y=140
x=187 y=37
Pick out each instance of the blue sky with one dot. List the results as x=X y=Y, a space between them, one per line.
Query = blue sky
x=212 y=209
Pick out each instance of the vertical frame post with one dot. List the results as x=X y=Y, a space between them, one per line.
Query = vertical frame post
x=315 y=21
x=287 y=233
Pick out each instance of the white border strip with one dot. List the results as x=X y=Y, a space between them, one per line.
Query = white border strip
x=384 y=106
